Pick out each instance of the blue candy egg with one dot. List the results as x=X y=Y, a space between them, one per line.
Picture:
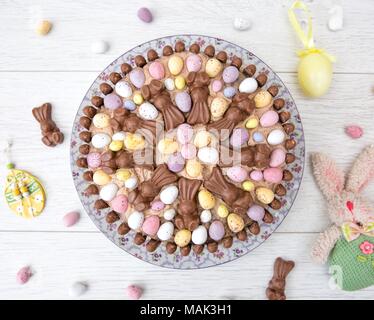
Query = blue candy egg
x=258 y=137
x=229 y=92
x=129 y=105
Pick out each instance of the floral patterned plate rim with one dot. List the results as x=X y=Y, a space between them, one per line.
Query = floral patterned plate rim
x=239 y=248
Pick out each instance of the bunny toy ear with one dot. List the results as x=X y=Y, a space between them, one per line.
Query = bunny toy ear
x=362 y=171
x=329 y=177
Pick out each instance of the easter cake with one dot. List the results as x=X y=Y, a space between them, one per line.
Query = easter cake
x=187 y=148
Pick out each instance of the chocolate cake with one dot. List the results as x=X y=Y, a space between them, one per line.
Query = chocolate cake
x=188 y=148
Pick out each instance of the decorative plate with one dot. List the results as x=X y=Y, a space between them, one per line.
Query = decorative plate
x=205 y=259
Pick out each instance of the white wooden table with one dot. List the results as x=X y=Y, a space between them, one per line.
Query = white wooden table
x=60 y=67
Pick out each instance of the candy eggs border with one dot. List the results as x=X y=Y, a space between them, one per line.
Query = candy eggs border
x=239 y=248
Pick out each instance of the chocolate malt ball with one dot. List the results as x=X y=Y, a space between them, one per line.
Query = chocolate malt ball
x=195 y=48
x=123 y=229
x=250 y=70
x=114 y=77
x=152 y=55
x=179 y=46
x=140 y=61
x=105 y=88
x=89 y=111
x=84 y=149
x=112 y=217
x=97 y=101
x=126 y=68
x=167 y=51
x=210 y=51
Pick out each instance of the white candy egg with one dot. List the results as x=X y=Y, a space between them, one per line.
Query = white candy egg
x=119 y=136
x=248 y=85
x=135 y=220
x=131 y=183
x=199 y=235
x=166 y=231
x=241 y=23
x=169 y=84
x=276 y=136
x=208 y=155
x=148 y=111
x=169 y=214
x=100 y=140
x=205 y=216
x=169 y=194
x=108 y=192
x=123 y=89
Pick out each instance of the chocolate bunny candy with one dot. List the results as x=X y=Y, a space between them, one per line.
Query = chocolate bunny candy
x=119 y=116
x=147 y=128
x=348 y=245
x=277 y=285
x=51 y=134
x=199 y=82
x=252 y=156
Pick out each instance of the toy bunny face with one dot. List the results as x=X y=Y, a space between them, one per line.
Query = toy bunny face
x=345 y=204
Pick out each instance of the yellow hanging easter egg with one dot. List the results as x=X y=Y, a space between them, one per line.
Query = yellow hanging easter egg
x=315 y=74
x=175 y=65
x=193 y=168
x=182 y=237
x=206 y=199
x=213 y=67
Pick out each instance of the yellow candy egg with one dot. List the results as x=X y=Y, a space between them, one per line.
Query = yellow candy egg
x=206 y=199
x=213 y=67
x=101 y=178
x=123 y=174
x=218 y=107
x=134 y=141
x=182 y=237
x=264 y=195
x=180 y=82
x=138 y=98
x=222 y=211
x=175 y=65
x=248 y=185
x=167 y=146
x=193 y=168
x=263 y=99
x=101 y=120
x=235 y=222
x=202 y=139
x=315 y=74
x=116 y=145
x=252 y=123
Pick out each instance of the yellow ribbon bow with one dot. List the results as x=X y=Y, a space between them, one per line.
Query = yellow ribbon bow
x=352 y=231
x=306 y=39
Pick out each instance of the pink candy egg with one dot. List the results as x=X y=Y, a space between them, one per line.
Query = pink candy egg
x=134 y=292
x=156 y=70
x=151 y=225
x=277 y=157
x=237 y=174
x=176 y=162
x=256 y=175
x=145 y=15
x=157 y=205
x=112 y=101
x=256 y=212
x=93 y=160
x=273 y=175
x=193 y=63
x=70 y=218
x=188 y=151
x=269 y=118
x=216 y=230
x=184 y=133
x=137 y=77
x=119 y=203
x=217 y=85
x=238 y=137
x=23 y=275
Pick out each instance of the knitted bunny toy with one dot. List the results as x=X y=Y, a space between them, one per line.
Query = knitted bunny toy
x=348 y=245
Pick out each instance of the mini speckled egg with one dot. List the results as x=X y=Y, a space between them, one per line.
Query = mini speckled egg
x=206 y=199
x=235 y=222
x=151 y=225
x=237 y=174
x=184 y=133
x=166 y=230
x=264 y=195
x=108 y=192
x=256 y=175
x=119 y=136
x=202 y=139
x=205 y=216
x=193 y=63
x=116 y=145
x=148 y=111
x=248 y=185
x=229 y=92
x=180 y=82
x=248 y=85
x=135 y=220
x=218 y=107
x=169 y=84
x=167 y=146
x=93 y=160
x=252 y=123
x=199 y=235
x=188 y=151
x=101 y=120
x=157 y=205
x=169 y=194
x=112 y=101
x=183 y=101
x=193 y=168
x=134 y=141
x=256 y=212
x=138 y=98
x=222 y=211
x=100 y=140
x=176 y=162
x=137 y=77
x=123 y=174
x=216 y=230
x=131 y=183
x=276 y=136
x=230 y=74
x=269 y=118
x=263 y=99
x=277 y=157
x=175 y=65
x=217 y=85
x=182 y=238
x=208 y=155
x=258 y=136
x=213 y=67
x=101 y=178
x=129 y=105
x=239 y=137
x=273 y=175
x=120 y=203
x=123 y=89
x=169 y=214
x=156 y=70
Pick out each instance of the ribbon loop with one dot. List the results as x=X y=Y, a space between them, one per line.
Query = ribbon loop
x=352 y=231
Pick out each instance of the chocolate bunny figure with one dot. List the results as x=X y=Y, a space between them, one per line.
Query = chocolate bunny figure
x=348 y=245
x=238 y=199
x=119 y=116
x=51 y=134
x=257 y=156
x=277 y=285
x=199 y=82
x=148 y=190
x=187 y=209
x=155 y=92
